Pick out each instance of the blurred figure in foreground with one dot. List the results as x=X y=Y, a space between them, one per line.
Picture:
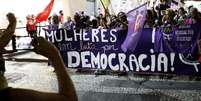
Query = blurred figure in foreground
x=41 y=46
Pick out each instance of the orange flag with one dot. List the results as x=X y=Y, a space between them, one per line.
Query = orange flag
x=43 y=16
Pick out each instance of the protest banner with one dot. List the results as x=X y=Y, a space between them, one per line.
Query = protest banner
x=102 y=49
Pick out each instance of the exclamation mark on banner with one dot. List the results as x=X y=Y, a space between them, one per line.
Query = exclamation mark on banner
x=153 y=35
x=172 y=56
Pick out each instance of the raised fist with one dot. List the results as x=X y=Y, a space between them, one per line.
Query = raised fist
x=11 y=18
x=12 y=23
x=43 y=47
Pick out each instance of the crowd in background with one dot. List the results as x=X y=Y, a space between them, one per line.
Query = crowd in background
x=161 y=15
x=82 y=21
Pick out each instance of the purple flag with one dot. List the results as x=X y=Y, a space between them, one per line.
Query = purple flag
x=136 y=18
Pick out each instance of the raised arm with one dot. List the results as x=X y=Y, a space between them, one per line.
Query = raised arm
x=66 y=88
x=6 y=35
x=41 y=46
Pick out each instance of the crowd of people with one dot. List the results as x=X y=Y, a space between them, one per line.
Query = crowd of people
x=82 y=21
x=161 y=15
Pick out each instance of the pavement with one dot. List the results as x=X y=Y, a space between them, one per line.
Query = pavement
x=26 y=69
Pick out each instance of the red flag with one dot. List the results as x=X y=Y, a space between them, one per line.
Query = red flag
x=43 y=16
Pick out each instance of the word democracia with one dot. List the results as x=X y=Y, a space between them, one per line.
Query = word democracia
x=121 y=61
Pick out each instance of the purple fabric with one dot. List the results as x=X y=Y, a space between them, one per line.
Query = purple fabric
x=158 y=47
x=136 y=18
x=177 y=62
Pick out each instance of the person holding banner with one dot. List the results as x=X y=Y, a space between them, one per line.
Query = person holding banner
x=69 y=24
x=149 y=22
x=41 y=46
x=102 y=21
x=161 y=7
x=61 y=17
x=180 y=16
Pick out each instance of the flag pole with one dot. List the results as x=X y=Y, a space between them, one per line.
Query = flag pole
x=103 y=6
x=39 y=29
x=106 y=12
